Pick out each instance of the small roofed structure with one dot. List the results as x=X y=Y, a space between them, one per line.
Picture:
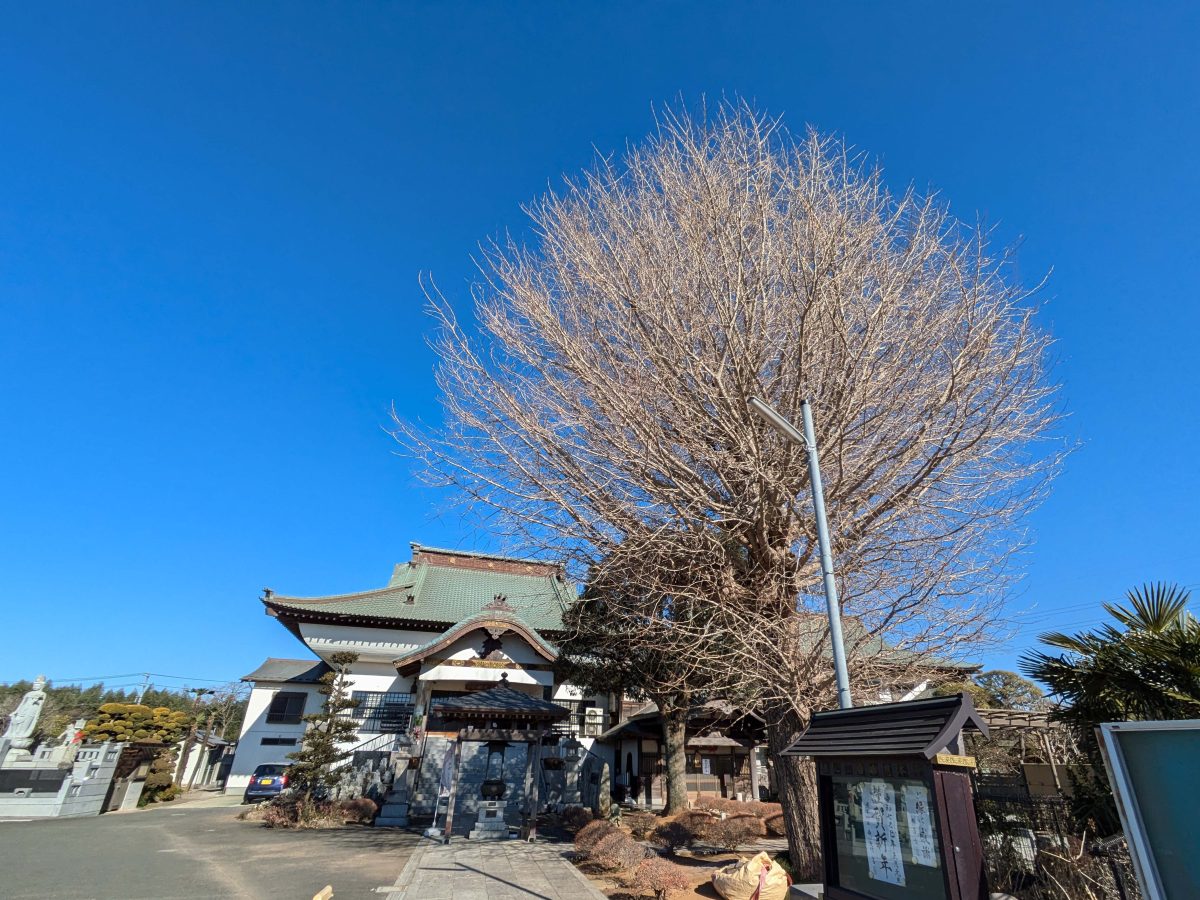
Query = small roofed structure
x=497 y=716
x=923 y=727
x=895 y=800
x=503 y=702
x=721 y=756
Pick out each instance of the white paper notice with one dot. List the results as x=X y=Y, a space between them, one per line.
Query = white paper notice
x=882 y=833
x=920 y=825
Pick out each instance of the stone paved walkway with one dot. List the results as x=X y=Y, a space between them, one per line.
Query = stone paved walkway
x=492 y=870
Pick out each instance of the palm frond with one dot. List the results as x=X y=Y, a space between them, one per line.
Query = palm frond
x=1152 y=607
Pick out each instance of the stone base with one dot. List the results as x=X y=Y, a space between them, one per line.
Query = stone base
x=489 y=823
x=394 y=812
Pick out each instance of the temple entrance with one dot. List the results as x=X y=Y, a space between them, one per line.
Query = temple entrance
x=653 y=789
x=497 y=718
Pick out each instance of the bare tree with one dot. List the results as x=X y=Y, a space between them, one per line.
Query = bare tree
x=621 y=641
x=599 y=402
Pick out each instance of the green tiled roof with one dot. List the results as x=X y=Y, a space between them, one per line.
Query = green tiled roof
x=442 y=594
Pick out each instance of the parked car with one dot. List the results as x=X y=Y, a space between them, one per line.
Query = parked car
x=266 y=782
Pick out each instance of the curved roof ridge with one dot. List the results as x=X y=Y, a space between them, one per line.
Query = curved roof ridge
x=473 y=623
x=335 y=598
x=480 y=554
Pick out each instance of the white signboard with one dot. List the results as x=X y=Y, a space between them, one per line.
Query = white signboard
x=920 y=825
x=705 y=765
x=882 y=833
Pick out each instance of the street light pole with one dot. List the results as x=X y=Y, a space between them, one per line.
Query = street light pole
x=808 y=440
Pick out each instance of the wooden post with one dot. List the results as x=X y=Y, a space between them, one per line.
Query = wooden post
x=526 y=817
x=453 y=790
x=754 y=785
x=1050 y=759
x=535 y=755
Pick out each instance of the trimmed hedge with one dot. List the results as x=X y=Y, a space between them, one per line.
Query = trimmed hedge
x=618 y=851
x=660 y=876
x=731 y=832
x=591 y=833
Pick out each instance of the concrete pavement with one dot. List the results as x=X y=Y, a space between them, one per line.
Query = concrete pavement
x=193 y=852
x=491 y=870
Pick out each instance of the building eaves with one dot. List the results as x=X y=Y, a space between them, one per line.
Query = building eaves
x=295 y=671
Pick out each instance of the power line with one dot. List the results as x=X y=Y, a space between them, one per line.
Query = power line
x=106 y=678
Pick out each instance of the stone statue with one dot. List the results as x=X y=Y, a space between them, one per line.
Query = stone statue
x=24 y=719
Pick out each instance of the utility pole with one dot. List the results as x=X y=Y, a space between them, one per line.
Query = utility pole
x=145 y=686
x=808 y=441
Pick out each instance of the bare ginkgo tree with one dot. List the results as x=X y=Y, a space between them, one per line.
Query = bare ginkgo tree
x=595 y=408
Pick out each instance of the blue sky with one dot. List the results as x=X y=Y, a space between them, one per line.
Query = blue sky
x=213 y=216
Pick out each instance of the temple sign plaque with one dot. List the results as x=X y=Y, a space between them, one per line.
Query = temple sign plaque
x=895 y=802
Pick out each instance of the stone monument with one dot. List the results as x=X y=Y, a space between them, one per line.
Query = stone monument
x=18 y=737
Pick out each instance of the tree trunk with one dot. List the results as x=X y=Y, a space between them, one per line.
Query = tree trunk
x=674 y=739
x=796 y=780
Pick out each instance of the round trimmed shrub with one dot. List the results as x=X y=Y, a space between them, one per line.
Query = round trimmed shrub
x=618 y=851
x=358 y=811
x=762 y=809
x=775 y=825
x=575 y=817
x=731 y=832
x=684 y=830
x=590 y=834
x=660 y=876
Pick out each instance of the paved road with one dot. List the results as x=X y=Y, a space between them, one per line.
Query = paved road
x=193 y=853
x=492 y=870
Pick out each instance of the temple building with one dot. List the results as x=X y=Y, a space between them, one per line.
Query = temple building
x=448 y=624
x=457 y=700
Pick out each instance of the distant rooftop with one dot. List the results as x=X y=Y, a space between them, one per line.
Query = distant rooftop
x=440 y=588
x=297 y=671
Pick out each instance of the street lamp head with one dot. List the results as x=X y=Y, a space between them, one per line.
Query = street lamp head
x=766 y=412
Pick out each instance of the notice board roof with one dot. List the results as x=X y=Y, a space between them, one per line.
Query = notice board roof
x=912 y=728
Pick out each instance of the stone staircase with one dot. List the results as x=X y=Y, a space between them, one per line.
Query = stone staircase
x=394 y=812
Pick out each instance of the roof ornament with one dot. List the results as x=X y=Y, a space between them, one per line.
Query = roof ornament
x=499 y=604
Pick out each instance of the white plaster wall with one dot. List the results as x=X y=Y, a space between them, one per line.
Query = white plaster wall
x=374 y=676
x=467 y=648
x=364 y=676
x=250 y=752
x=371 y=644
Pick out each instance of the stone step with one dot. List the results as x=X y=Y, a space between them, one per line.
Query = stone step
x=382 y=821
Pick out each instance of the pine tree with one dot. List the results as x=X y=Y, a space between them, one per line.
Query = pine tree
x=328 y=730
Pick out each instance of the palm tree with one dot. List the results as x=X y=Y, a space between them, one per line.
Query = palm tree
x=1144 y=665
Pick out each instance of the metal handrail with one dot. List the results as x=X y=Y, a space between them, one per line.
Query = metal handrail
x=387 y=742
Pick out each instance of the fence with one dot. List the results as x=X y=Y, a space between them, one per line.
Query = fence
x=1033 y=852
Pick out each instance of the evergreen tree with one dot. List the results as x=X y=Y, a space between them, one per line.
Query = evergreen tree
x=1142 y=667
x=137 y=723
x=328 y=731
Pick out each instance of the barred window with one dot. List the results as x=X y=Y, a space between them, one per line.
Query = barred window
x=381 y=712
x=574 y=725
x=287 y=708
